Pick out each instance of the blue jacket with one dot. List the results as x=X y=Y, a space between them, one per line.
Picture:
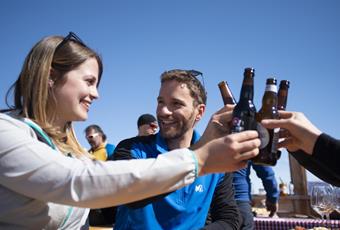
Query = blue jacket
x=110 y=148
x=186 y=208
x=242 y=183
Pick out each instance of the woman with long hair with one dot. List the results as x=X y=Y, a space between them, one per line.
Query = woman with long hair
x=48 y=181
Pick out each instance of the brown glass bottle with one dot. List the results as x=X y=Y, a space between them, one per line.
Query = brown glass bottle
x=282 y=101
x=269 y=137
x=227 y=96
x=245 y=111
x=283 y=95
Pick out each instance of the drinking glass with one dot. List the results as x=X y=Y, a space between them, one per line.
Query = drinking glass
x=336 y=195
x=322 y=199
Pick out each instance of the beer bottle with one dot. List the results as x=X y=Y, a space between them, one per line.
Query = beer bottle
x=269 y=137
x=245 y=111
x=227 y=96
x=282 y=101
x=283 y=95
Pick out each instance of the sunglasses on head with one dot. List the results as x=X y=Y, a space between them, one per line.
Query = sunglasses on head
x=191 y=73
x=70 y=37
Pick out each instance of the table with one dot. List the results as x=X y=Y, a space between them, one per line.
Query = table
x=291 y=223
x=288 y=205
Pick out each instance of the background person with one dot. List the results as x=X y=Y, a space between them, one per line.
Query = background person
x=147 y=125
x=100 y=149
x=242 y=185
x=48 y=181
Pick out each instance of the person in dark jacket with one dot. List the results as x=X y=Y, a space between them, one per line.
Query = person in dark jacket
x=147 y=125
x=181 y=105
x=316 y=151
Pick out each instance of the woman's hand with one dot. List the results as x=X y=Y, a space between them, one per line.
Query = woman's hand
x=228 y=153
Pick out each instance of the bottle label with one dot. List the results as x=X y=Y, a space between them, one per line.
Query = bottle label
x=237 y=125
x=272 y=88
x=263 y=135
x=242 y=124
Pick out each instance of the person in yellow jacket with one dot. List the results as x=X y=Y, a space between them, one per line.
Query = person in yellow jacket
x=100 y=150
x=97 y=139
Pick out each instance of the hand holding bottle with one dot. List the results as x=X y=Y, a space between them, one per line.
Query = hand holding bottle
x=219 y=151
x=228 y=153
x=299 y=132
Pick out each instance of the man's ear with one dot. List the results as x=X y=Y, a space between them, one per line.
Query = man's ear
x=201 y=110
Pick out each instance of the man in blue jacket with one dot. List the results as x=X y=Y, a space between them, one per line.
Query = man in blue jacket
x=180 y=105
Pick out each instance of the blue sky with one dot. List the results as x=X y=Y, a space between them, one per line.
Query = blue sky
x=138 y=40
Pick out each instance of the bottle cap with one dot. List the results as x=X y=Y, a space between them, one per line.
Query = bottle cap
x=271 y=81
x=249 y=71
x=284 y=83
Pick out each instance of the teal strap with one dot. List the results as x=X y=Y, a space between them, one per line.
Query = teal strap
x=69 y=211
x=42 y=133
x=194 y=157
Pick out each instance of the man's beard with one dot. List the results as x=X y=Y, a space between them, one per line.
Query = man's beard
x=177 y=133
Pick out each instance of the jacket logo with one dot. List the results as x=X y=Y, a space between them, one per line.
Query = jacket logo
x=199 y=188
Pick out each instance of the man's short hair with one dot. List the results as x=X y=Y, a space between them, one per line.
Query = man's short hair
x=188 y=77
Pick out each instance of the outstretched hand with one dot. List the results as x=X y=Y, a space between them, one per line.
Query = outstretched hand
x=297 y=132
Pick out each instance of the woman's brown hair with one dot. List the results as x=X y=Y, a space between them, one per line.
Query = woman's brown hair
x=50 y=59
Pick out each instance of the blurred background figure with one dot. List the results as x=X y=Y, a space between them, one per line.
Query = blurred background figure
x=100 y=149
x=242 y=185
x=147 y=125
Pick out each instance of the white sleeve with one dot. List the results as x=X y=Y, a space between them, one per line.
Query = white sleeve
x=31 y=168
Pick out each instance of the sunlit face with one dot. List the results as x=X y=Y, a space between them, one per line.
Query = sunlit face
x=176 y=112
x=75 y=95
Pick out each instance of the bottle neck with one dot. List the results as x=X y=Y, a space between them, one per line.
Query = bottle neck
x=270 y=99
x=271 y=88
x=282 y=99
x=227 y=96
x=247 y=90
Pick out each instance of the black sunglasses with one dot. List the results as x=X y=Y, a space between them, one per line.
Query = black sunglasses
x=196 y=73
x=70 y=37
x=192 y=73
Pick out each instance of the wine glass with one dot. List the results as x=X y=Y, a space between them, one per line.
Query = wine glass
x=336 y=195
x=322 y=199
